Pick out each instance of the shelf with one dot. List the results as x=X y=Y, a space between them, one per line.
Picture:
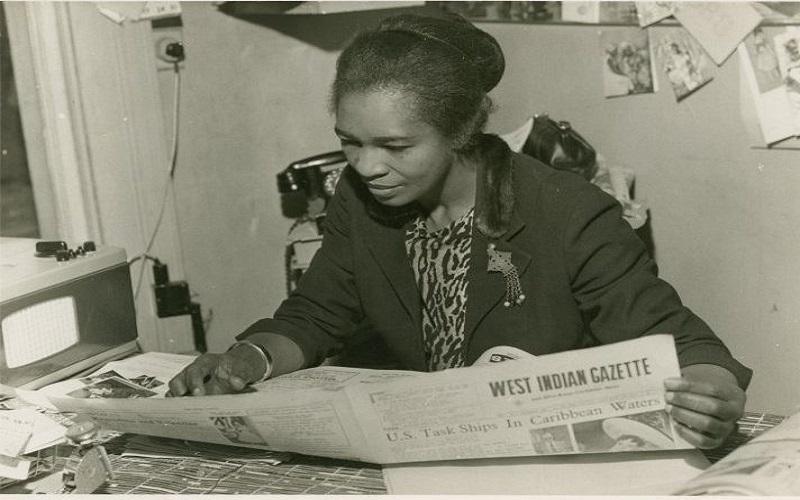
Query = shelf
x=243 y=9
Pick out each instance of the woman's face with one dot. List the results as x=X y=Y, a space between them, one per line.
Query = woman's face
x=400 y=158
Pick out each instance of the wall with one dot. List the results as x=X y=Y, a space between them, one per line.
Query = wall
x=721 y=212
x=254 y=100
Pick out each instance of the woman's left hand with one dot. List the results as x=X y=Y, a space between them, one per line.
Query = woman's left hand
x=706 y=402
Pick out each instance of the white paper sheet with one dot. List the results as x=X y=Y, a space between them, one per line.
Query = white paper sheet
x=773 y=109
x=718 y=26
x=649 y=473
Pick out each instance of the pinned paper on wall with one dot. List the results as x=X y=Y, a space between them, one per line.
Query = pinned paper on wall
x=719 y=27
x=760 y=63
x=581 y=12
x=651 y=12
x=119 y=12
x=787 y=45
x=627 y=62
x=764 y=60
x=685 y=63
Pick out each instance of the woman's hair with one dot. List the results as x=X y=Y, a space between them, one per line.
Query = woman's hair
x=445 y=66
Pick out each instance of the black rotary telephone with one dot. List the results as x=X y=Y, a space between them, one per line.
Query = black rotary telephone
x=306 y=185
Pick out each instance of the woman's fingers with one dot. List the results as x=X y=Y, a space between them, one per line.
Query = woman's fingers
x=228 y=377
x=209 y=374
x=191 y=380
x=699 y=439
x=705 y=411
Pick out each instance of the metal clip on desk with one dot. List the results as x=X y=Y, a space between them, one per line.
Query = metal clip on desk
x=88 y=467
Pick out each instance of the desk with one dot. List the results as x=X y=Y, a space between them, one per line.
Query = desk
x=749 y=426
x=211 y=472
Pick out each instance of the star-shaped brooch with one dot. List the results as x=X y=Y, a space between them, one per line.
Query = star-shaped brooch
x=500 y=262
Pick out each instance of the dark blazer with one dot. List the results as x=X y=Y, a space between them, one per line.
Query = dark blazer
x=587 y=278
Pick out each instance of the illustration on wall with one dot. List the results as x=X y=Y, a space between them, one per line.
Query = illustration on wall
x=627 y=64
x=651 y=12
x=765 y=60
x=788 y=50
x=686 y=64
x=522 y=12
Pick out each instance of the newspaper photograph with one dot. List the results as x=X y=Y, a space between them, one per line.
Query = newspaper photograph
x=602 y=399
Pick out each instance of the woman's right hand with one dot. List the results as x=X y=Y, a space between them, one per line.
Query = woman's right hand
x=210 y=374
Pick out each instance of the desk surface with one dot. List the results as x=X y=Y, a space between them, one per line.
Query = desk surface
x=223 y=473
x=219 y=470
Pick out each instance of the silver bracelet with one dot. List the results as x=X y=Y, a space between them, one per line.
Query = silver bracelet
x=265 y=355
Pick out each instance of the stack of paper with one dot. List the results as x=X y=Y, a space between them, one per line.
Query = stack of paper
x=25 y=429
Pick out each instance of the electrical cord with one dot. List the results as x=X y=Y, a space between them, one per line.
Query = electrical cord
x=208 y=320
x=288 y=255
x=171 y=172
x=146 y=257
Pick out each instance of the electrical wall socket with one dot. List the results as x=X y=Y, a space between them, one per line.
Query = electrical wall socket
x=159 y=10
x=161 y=37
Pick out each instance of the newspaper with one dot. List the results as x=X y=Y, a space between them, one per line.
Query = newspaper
x=766 y=466
x=603 y=399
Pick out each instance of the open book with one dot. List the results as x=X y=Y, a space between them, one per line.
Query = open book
x=603 y=399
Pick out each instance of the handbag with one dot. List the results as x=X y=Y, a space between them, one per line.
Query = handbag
x=557 y=144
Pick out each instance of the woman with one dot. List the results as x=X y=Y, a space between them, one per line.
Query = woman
x=446 y=243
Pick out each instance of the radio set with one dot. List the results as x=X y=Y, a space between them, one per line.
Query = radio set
x=61 y=252
x=62 y=311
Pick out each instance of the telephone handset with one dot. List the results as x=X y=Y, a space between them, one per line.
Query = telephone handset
x=306 y=185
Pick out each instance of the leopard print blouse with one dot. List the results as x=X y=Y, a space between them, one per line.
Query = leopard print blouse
x=440 y=260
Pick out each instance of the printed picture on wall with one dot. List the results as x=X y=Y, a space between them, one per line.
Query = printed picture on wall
x=519 y=12
x=764 y=59
x=788 y=50
x=684 y=61
x=649 y=13
x=581 y=12
x=618 y=13
x=237 y=429
x=627 y=65
x=544 y=12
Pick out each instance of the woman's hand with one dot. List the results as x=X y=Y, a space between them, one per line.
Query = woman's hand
x=706 y=402
x=209 y=374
